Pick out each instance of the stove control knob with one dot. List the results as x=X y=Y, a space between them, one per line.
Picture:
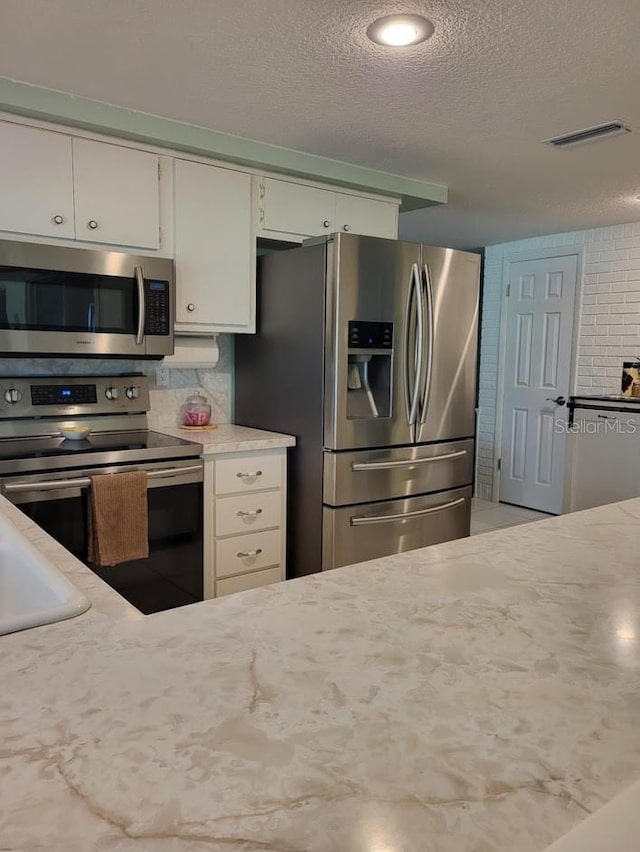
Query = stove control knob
x=132 y=392
x=13 y=396
x=112 y=393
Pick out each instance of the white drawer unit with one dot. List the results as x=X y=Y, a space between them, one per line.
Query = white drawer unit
x=248 y=472
x=245 y=520
x=247 y=513
x=247 y=581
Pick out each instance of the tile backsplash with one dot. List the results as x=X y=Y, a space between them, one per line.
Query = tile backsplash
x=215 y=383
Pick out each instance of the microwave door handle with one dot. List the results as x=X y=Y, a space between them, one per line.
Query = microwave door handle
x=141 y=305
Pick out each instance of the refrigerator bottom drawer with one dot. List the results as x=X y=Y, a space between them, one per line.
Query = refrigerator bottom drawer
x=368 y=531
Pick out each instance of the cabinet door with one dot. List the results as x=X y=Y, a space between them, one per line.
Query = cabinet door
x=605 y=464
x=36 y=187
x=116 y=194
x=292 y=208
x=366 y=216
x=214 y=249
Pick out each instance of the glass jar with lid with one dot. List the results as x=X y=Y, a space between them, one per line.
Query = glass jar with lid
x=196 y=411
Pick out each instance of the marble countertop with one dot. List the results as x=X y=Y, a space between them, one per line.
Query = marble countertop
x=476 y=696
x=229 y=438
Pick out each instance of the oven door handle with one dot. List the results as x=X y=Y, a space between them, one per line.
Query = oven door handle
x=141 y=305
x=85 y=481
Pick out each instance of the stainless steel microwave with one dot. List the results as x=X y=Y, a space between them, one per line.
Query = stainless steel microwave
x=78 y=302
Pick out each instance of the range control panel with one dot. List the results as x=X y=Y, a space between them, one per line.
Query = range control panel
x=370 y=335
x=64 y=396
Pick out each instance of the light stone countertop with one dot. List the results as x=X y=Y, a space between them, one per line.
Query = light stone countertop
x=229 y=438
x=477 y=696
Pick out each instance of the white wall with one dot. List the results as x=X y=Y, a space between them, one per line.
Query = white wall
x=609 y=321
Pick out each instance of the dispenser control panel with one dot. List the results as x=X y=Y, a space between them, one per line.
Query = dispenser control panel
x=370 y=335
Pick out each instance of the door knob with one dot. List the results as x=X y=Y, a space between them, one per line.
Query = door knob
x=559 y=400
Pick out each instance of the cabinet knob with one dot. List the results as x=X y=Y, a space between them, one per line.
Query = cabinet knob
x=92 y=224
x=58 y=219
x=191 y=307
x=326 y=223
x=346 y=228
x=249 y=554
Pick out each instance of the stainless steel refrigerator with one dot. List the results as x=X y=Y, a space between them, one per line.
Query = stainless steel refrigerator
x=366 y=351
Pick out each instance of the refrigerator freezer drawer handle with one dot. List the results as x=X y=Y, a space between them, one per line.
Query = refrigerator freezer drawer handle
x=388 y=465
x=384 y=519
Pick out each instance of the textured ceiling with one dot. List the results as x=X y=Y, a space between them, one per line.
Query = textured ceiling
x=467 y=108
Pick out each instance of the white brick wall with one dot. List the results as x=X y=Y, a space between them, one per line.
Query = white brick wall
x=609 y=321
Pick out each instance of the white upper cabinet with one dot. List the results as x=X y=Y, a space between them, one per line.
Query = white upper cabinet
x=214 y=249
x=36 y=186
x=293 y=209
x=366 y=216
x=56 y=185
x=116 y=194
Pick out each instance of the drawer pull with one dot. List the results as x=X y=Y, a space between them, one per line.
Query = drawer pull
x=251 y=475
x=249 y=513
x=388 y=465
x=418 y=513
x=249 y=554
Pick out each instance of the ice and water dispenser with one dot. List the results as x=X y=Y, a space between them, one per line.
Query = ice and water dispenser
x=370 y=362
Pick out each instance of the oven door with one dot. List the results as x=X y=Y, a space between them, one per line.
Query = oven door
x=63 y=301
x=172 y=575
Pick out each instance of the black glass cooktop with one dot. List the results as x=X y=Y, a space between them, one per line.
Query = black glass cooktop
x=35 y=448
x=25 y=455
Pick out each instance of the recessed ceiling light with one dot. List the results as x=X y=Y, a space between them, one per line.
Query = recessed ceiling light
x=400 y=30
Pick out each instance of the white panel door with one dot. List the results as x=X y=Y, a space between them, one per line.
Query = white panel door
x=214 y=249
x=36 y=182
x=292 y=208
x=537 y=371
x=116 y=194
x=366 y=216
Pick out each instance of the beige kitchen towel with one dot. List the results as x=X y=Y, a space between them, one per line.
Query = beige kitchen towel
x=118 y=518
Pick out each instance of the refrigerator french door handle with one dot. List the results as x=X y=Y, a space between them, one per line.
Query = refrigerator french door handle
x=415 y=300
x=430 y=343
x=418 y=513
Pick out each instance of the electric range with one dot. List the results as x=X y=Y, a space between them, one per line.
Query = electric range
x=49 y=477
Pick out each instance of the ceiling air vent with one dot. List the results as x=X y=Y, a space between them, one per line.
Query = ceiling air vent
x=589 y=134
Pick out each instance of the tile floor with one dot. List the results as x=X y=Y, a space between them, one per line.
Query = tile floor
x=486 y=516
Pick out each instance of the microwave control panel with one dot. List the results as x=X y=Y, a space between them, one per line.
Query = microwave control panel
x=157 y=307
